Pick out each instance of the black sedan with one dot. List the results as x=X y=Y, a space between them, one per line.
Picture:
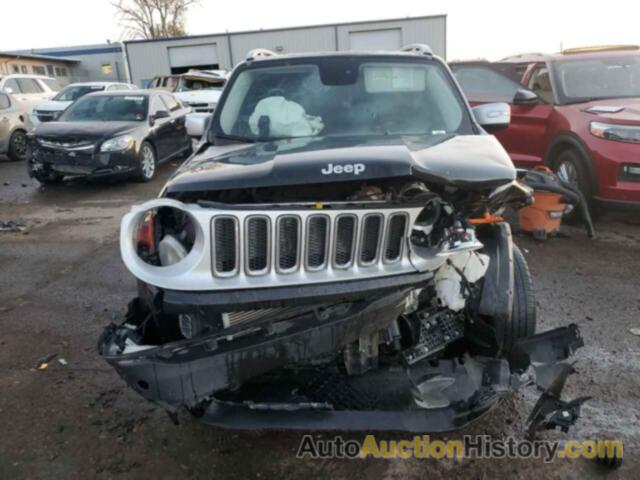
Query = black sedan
x=110 y=133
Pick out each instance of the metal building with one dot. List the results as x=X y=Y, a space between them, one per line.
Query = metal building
x=147 y=58
x=102 y=62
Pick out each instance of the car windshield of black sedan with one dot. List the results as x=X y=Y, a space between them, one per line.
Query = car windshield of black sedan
x=342 y=97
x=107 y=108
x=598 y=78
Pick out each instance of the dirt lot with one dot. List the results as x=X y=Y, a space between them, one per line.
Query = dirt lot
x=61 y=281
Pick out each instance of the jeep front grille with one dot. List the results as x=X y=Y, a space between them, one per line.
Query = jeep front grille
x=317 y=241
x=244 y=247
x=286 y=243
x=258 y=244
x=225 y=235
x=371 y=236
x=344 y=240
x=395 y=238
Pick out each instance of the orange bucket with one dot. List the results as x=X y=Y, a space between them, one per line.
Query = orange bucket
x=544 y=216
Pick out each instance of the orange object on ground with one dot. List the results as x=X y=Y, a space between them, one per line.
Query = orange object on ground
x=544 y=216
x=486 y=219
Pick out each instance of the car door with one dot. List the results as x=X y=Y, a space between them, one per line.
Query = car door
x=533 y=118
x=162 y=129
x=524 y=138
x=178 y=119
x=5 y=122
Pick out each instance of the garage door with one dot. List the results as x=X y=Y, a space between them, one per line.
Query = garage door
x=193 y=56
x=389 y=39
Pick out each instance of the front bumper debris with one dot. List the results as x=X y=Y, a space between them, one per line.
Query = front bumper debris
x=269 y=378
x=85 y=163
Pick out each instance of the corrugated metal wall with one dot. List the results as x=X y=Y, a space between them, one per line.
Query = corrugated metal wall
x=147 y=59
x=321 y=39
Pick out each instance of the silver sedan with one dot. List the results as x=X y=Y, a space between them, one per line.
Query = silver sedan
x=14 y=125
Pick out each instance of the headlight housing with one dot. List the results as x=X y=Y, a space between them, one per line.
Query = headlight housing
x=117 y=144
x=618 y=133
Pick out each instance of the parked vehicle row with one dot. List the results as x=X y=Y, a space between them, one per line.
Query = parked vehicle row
x=577 y=112
x=574 y=111
x=81 y=133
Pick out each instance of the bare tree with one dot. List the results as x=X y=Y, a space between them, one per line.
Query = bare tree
x=153 y=18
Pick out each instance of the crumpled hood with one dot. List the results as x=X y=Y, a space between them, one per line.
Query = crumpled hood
x=84 y=130
x=620 y=110
x=199 y=96
x=52 y=106
x=469 y=160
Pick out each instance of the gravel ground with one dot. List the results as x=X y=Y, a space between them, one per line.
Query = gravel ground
x=61 y=281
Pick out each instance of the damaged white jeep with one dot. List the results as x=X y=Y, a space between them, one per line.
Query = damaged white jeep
x=333 y=257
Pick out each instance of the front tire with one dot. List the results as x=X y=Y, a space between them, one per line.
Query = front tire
x=570 y=168
x=523 y=316
x=18 y=146
x=147 y=163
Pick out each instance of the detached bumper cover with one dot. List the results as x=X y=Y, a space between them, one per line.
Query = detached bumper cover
x=266 y=379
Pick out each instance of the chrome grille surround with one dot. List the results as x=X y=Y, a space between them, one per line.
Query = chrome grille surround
x=198 y=271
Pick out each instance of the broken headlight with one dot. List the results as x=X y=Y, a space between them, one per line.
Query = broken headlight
x=161 y=241
x=164 y=236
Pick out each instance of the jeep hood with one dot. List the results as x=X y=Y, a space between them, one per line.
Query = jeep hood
x=471 y=161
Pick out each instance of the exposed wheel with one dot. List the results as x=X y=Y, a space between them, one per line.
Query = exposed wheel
x=146 y=163
x=523 y=317
x=570 y=168
x=18 y=146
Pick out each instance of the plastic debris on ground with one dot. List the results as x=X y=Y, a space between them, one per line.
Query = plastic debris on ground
x=11 y=226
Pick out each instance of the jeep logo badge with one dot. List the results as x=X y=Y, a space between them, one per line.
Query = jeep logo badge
x=355 y=168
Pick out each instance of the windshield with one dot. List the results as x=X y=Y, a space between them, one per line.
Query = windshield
x=72 y=93
x=188 y=84
x=342 y=97
x=107 y=108
x=598 y=78
x=51 y=83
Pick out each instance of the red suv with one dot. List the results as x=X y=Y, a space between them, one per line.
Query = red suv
x=577 y=111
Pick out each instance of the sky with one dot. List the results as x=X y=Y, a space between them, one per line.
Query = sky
x=475 y=29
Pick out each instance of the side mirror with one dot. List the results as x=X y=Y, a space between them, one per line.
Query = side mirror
x=8 y=90
x=197 y=124
x=525 y=97
x=158 y=115
x=493 y=116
